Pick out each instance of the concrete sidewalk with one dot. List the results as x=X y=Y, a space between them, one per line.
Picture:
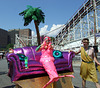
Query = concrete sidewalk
x=76 y=63
x=5 y=81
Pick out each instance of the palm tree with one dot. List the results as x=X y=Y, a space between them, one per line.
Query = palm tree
x=35 y=14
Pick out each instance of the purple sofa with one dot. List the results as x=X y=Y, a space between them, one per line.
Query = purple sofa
x=35 y=69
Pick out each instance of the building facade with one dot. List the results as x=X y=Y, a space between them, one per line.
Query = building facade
x=11 y=35
x=3 y=38
x=25 y=32
x=25 y=35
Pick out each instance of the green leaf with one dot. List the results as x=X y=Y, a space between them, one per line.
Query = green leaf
x=23 y=12
x=34 y=17
x=28 y=6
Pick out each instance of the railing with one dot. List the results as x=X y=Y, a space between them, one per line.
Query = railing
x=75 y=22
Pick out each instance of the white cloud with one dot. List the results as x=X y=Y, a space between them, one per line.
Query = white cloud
x=44 y=30
x=53 y=31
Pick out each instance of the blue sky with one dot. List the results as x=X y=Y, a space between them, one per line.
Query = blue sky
x=57 y=13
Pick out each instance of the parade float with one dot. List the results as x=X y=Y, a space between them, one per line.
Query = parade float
x=21 y=68
x=25 y=67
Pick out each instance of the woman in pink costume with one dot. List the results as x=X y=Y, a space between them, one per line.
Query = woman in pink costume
x=47 y=61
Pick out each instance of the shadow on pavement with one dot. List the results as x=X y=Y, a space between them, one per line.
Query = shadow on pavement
x=2 y=73
x=76 y=87
x=12 y=86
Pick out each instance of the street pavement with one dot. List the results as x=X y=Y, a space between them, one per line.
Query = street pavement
x=5 y=81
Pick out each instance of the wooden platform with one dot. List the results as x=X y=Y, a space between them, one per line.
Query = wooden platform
x=41 y=81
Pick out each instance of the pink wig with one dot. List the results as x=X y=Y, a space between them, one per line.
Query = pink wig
x=47 y=38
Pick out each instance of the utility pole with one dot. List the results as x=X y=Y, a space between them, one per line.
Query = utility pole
x=94 y=7
x=95 y=45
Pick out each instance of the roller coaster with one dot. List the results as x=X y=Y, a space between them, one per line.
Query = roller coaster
x=80 y=25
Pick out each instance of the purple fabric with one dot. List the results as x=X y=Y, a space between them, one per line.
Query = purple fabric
x=36 y=55
x=60 y=61
x=28 y=53
x=18 y=50
x=17 y=67
x=31 y=64
x=61 y=65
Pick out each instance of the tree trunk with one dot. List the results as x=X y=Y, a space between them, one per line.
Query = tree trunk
x=38 y=33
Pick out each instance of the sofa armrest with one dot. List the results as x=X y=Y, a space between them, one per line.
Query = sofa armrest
x=16 y=65
x=72 y=55
x=11 y=55
x=68 y=56
x=14 y=60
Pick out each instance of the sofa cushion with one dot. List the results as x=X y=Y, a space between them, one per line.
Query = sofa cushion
x=60 y=61
x=37 y=55
x=61 y=65
x=32 y=64
x=28 y=53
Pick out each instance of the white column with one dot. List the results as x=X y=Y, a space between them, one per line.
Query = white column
x=88 y=23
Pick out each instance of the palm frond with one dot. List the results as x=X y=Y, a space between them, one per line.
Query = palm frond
x=29 y=13
x=23 y=12
x=28 y=6
x=40 y=15
x=27 y=21
x=34 y=17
